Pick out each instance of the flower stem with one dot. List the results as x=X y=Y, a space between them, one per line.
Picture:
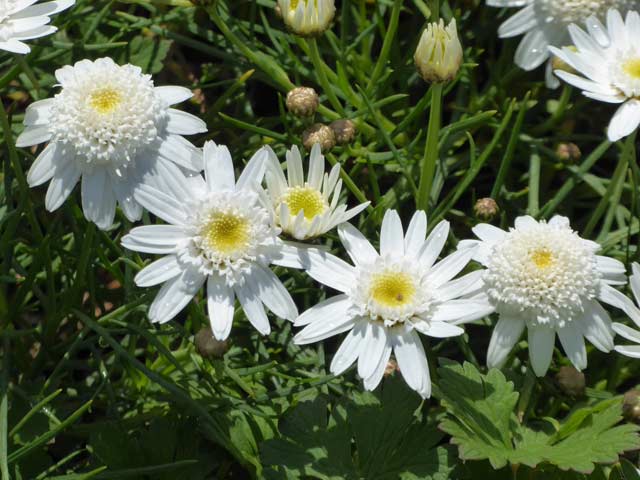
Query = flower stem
x=431 y=148
x=318 y=65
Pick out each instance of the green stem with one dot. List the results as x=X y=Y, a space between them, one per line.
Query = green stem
x=4 y=406
x=431 y=148
x=319 y=66
x=386 y=46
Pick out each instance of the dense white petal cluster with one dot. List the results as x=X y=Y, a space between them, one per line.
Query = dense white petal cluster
x=543 y=276
x=439 y=52
x=544 y=23
x=608 y=61
x=308 y=209
x=307 y=17
x=220 y=232
x=388 y=297
x=27 y=19
x=112 y=127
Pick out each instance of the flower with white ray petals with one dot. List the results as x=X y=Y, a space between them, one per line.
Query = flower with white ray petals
x=546 y=278
x=634 y=313
x=220 y=232
x=387 y=298
x=544 y=24
x=308 y=209
x=608 y=60
x=110 y=126
x=26 y=19
x=307 y=17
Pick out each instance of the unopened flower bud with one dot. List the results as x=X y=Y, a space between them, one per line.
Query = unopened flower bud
x=307 y=17
x=631 y=406
x=486 y=208
x=302 y=101
x=439 y=53
x=571 y=381
x=208 y=346
x=392 y=366
x=344 y=130
x=319 y=133
x=568 y=152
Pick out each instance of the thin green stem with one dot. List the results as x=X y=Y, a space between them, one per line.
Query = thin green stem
x=430 y=149
x=4 y=406
x=319 y=66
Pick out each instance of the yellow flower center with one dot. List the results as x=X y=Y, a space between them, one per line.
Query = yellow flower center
x=542 y=258
x=392 y=289
x=306 y=199
x=105 y=100
x=632 y=67
x=226 y=233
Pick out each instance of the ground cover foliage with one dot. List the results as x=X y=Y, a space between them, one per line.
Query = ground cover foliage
x=91 y=389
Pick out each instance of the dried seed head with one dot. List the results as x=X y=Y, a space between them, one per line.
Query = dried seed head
x=631 y=406
x=303 y=101
x=571 y=381
x=208 y=346
x=486 y=208
x=344 y=130
x=319 y=133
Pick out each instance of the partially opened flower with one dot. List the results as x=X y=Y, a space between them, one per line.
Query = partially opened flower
x=26 y=19
x=608 y=61
x=544 y=24
x=220 y=233
x=544 y=277
x=439 y=53
x=388 y=298
x=109 y=126
x=307 y=17
x=634 y=313
x=307 y=209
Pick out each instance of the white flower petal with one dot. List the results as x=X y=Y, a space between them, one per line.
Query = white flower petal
x=449 y=267
x=505 y=335
x=161 y=204
x=357 y=246
x=541 y=343
x=350 y=348
x=183 y=123
x=65 y=177
x=430 y=251
x=416 y=233
x=175 y=295
x=373 y=348
x=391 y=235
x=412 y=362
x=44 y=166
x=98 y=199
x=596 y=326
x=218 y=167
x=272 y=292
x=173 y=94
x=573 y=344
x=33 y=136
x=372 y=381
x=221 y=306
x=158 y=272
x=626 y=332
x=625 y=120
x=154 y=238
x=324 y=311
x=253 y=308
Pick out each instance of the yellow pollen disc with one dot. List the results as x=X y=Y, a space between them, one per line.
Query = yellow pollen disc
x=632 y=67
x=392 y=289
x=226 y=233
x=105 y=100
x=305 y=198
x=542 y=258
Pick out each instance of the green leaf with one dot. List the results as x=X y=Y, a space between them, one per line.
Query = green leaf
x=482 y=423
x=391 y=442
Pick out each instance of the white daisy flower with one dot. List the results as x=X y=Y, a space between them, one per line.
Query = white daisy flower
x=608 y=58
x=543 y=276
x=110 y=126
x=308 y=209
x=26 y=19
x=307 y=17
x=634 y=313
x=544 y=23
x=220 y=232
x=387 y=298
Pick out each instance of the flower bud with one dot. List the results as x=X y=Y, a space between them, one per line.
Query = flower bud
x=568 y=152
x=208 y=346
x=319 y=133
x=631 y=406
x=307 y=17
x=571 y=381
x=439 y=53
x=486 y=208
x=302 y=101
x=344 y=130
x=391 y=368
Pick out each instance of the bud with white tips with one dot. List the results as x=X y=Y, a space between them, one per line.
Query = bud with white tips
x=307 y=17
x=439 y=53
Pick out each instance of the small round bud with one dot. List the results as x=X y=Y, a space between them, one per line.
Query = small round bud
x=302 y=101
x=392 y=366
x=344 y=130
x=278 y=11
x=486 y=208
x=307 y=18
x=571 y=381
x=208 y=346
x=439 y=53
x=631 y=406
x=568 y=152
x=319 y=133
